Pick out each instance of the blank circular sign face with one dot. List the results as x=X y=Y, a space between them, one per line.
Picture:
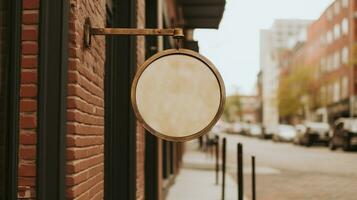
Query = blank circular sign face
x=178 y=95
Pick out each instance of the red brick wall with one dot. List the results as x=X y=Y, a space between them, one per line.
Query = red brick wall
x=85 y=103
x=140 y=135
x=28 y=100
x=85 y=109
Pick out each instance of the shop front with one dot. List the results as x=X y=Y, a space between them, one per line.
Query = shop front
x=68 y=130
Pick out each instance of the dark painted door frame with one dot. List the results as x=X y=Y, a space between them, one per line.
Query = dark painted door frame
x=120 y=121
x=151 y=142
x=12 y=77
x=52 y=107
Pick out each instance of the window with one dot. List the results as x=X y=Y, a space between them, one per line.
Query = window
x=322 y=40
x=329 y=37
x=329 y=14
x=345 y=56
x=337 y=8
x=322 y=65
x=336 y=60
x=337 y=31
x=344 y=3
x=329 y=63
x=336 y=91
x=344 y=25
x=330 y=93
x=344 y=87
x=323 y=95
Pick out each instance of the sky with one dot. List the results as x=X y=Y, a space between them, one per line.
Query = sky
x=234 y=47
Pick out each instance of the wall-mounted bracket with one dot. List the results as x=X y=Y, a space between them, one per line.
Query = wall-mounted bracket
x=89 y=31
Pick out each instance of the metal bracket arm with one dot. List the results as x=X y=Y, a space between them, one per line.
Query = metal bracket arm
x=177 y=32
x=89 y=31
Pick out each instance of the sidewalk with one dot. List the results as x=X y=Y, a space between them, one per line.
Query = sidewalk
x=196 y=180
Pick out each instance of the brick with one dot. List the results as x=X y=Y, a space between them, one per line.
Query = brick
x=77 y=116
x=29 y=34
x=80 y=165
x=29 y=76
x=83 y=129
x=30 y=17
x=28 y=121
x=29 y=181
x=25 y=192
x=28 y=105
x=28 y=138
x=83 y=187
x=99 y=196
x=79 y=104
x=77 y=90
x=28 y=152
x=29 y=48
x=80 y=153
x=27 y=170
x=73 y=64
x=96 y=170
x=29 y=62
x=97 y=188
x=76 y=178
x=84 y=141
x=28 y=91
x=74 y=52
x=31 y=4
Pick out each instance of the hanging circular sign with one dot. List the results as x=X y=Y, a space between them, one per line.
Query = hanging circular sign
x=178 y=95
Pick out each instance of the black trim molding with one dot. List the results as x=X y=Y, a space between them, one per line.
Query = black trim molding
x=12 y=98
x=53 y=63
x=152 y=143
x=120 y=122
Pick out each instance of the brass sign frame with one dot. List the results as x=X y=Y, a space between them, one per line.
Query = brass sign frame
x=186 y=52
x=89 y=31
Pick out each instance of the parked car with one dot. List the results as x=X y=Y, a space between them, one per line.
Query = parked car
x=268 y=131
x=255 y=130
x=344 y=134
x=310 y=133
x=219 y=127
x=216 y=130
x=285 y=133
x=237 y=128
x=245 y=128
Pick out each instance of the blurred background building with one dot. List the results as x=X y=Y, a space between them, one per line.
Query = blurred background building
x=273 y=41
x=326 y=46
x=249 y=106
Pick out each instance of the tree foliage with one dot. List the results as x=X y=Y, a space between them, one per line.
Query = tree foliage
x=294 y=90
x=232 y=109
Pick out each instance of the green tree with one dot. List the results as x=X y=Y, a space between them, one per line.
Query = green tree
x=293 y=89
x=232 y=109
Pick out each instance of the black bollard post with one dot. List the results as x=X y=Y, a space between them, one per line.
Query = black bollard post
x=253 y=178
x=223 y=168
x=240 y=170
x=217 y=158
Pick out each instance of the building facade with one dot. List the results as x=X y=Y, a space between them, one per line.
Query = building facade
x=330 y=49
x=249 y=106
x=67 y=128
x=272 y=42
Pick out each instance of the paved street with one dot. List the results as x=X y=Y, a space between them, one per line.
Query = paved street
x=288 y=172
